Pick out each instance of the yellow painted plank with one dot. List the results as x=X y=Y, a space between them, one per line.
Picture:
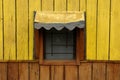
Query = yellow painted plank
x=115 y=30
x=47 y=5
x=103 y=29
x=82 y=5
x=73 y=5
x=22 y=29
x=60 y=5
x=91 y=29
x=1 y=32
x=9 y=30
x=34 y=5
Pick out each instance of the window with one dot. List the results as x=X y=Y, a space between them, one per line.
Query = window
x=59 y=47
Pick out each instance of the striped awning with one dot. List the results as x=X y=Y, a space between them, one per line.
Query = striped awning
x=59 y=20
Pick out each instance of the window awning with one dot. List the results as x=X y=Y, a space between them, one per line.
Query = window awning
x=59 y=20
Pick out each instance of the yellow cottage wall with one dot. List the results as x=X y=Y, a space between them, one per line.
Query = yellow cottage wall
x=102 y=26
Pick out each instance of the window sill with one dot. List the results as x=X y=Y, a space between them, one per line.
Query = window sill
x=59 y=62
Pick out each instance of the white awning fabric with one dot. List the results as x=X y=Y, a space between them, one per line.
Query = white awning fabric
x=59 y=20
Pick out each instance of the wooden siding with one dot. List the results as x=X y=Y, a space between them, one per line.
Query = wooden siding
x=114 y=30
x=1 y=31
x=34 y=71
x=9 y=30
x=102 y=26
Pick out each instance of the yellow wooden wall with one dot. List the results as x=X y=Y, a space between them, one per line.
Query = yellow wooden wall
x=102 y=26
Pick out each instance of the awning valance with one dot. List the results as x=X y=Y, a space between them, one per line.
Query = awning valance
x=59 y=20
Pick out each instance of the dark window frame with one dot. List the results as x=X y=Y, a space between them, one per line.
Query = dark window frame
x=80 y=49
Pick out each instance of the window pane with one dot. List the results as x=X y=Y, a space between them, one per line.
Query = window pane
x=59 y=44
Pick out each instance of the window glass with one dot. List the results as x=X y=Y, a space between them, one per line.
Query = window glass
x=59 y=45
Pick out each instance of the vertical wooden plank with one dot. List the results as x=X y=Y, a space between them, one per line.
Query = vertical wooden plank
x=37 y=42
x=1 y=31
x=23 y=71
x=9 y=30
x=52 y=71
x=82 y=5
x=12 y=71
x=73 y=5
x=115 y=33
x=47 y=5
x=116 y=71
x=3 y=71
x=44 y=73
x=110 y=71
x=113 y=71
x=34 y=71
x=59 y=73
x=71 y=73
x=91 y=29
x=34 y=5
x=85 y=70
x=99 y=72
x=60 y=5
x=22 y=29
x=103 y=29
x=81 y=46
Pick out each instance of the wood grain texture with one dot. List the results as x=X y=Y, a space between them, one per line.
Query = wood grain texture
x=41 y=54
x=91 y=29
x=71 y=73
x=85 y=70
x=59 y=73
x=82 y=5
x=60 y=5
x=47 y=5
x=82 y=44
x=23 y=71
x=37 y=43
x=22 y=29
x=44 y=72
x=12 y=71
x=103 y=29
x=52 y=73
x=113 y=72
x=1 y=31
x=9 y=30
x=34 y=5
x=34 y=71
x=115 y=33
x=99 y=72
x=72 y=5
x=110 y=71
x=3 y=71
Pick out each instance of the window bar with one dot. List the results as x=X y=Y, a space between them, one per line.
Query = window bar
x=66 y=39
x=74 y=41
x=51 y=43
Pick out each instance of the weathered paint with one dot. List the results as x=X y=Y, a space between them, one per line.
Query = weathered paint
x=115 y=30
x=91 y=29
x=33 y=6
x=102 y=26
x=103 y=29
x=60 y=5
x=47 y=5
x=72 y=5
x=9 y=30
x=22 y=29
x=1 y=32
x=82 y=5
